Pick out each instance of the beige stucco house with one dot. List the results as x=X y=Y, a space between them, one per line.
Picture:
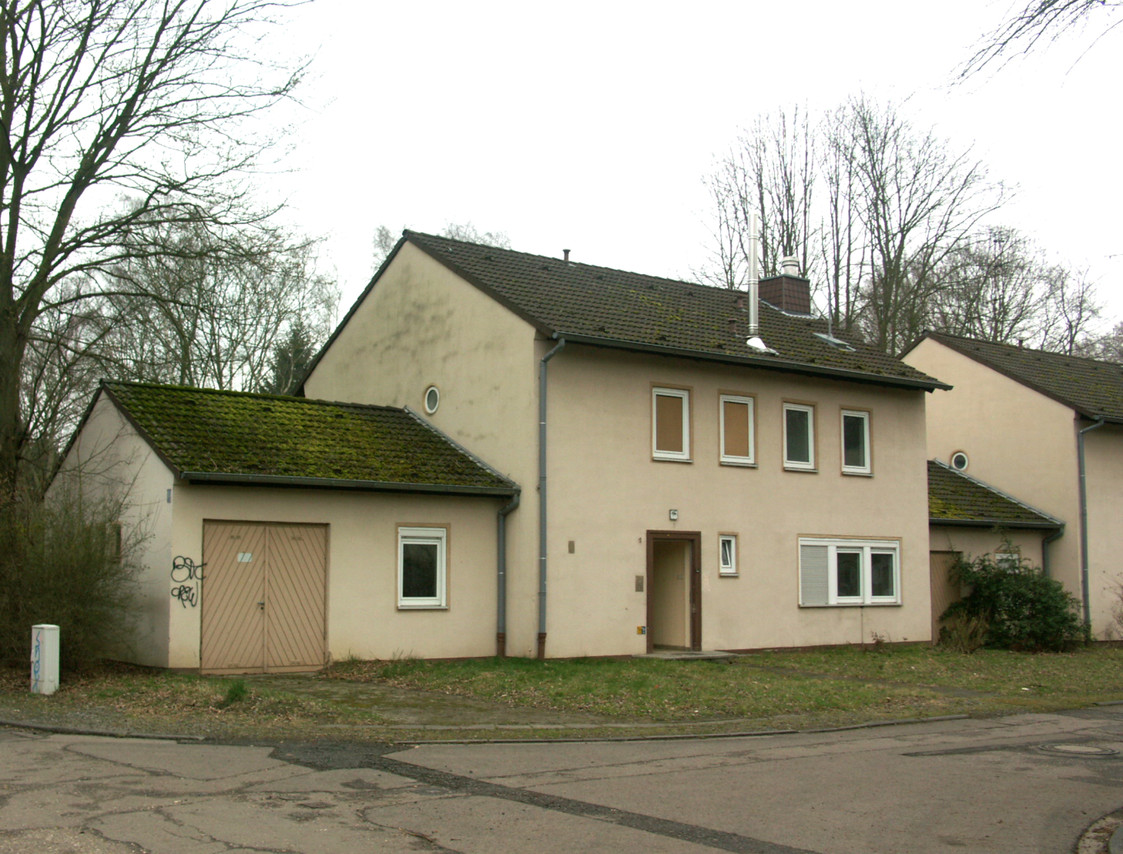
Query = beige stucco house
x=1049 y=429
x=684 y=485
x=278 y=533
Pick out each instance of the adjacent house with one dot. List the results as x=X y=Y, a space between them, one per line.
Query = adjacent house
x=690 y=479
x=1046 y=427
x=279 y=533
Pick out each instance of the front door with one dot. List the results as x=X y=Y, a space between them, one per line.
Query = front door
x=674 y=590
x=263 y=597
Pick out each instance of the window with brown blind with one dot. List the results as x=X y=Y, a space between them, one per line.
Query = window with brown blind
x=737 y=440
x=670 y=419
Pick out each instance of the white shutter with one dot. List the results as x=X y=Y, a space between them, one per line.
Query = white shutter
x=814 y=578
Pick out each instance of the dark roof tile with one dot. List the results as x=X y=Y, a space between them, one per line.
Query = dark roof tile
x=636 y=311
x=216 y=435
x=958 y=499
x=1091 y=387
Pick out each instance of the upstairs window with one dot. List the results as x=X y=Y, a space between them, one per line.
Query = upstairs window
x=799 y=437
x=849 y=572
x=670 y=424
x=855 y=442
x=737 y=440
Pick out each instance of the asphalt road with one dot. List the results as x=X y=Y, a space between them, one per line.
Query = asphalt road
x=1027 y=783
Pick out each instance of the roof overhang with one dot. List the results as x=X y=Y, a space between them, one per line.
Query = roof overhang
x=1043 y=525
x=236 y=479
x=766 y=363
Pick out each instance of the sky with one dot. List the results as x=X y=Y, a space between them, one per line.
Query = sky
x=592 y=126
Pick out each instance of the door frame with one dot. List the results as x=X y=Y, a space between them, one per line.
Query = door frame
x=694 y=538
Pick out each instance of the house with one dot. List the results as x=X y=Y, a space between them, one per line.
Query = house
x=280 y=533
x=1046 y=427
x=690 y=479
x=968 y=519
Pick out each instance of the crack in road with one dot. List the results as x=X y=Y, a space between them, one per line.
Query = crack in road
x=319 y=758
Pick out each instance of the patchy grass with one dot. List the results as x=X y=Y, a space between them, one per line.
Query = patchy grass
x=365 y=700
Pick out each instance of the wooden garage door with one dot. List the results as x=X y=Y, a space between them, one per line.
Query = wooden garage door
x=263 y=597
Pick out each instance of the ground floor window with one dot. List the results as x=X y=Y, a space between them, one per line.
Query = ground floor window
x=849 y=572
x=421 y=567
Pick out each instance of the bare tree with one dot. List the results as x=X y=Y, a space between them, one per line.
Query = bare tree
x=1107 y=347
x=150 y=99
x=1037 y=21
x=1068 y=311
x=771 y=170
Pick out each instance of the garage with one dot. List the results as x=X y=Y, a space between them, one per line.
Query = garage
x=263 y=597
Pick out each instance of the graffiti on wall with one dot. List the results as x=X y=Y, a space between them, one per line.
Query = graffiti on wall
x=186 y=575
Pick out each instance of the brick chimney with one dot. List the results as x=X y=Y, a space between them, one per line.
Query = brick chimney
x=789 y=291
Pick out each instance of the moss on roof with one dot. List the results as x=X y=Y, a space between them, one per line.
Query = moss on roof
x=259 y=438
x=955 y=498
x=634 y=310
x=1091 y=387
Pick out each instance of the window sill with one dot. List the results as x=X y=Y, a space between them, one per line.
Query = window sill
x=848 y=473
x=729 y=575
x=742 y=464
x=405 y=606
x=854 y=605
x=801 y=469
x=671 y=460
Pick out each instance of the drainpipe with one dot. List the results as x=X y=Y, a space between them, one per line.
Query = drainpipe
x=542 y=494
x=501 y=573
x=1084 y=519
x=1045 y=543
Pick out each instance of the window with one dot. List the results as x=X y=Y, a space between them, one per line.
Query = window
x=855 y=442
x=849 y=572
x=421 y=567
x=670 y=424
x=432 y=399
x=727 y=547
x=799 y=436
x=959 y=461
x=737 y=446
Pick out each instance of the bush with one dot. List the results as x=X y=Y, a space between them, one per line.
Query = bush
x=63 y=563
x=1020 y=607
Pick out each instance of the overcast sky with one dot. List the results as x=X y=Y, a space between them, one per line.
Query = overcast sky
x=591 y=126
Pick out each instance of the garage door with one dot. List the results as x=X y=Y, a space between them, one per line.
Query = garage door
x=263 y=597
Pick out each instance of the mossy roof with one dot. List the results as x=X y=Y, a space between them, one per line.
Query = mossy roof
x=614 y=308
x=1092 y=388
x=233 y=437
x=955 y=498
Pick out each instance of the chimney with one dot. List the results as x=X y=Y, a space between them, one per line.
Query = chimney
x=754 y=253
x=789 y=291
x=565 y=254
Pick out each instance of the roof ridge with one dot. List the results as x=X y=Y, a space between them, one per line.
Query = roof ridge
x=263 y=395
x=1017 y=348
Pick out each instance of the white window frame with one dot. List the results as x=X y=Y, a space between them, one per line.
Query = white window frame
x=684 y=395
x=800 y=465
x=810 y=582
x=734 y=459
x=424 y=536
x=727 y=566
x=864 y=417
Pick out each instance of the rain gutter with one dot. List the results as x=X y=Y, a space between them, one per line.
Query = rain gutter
x=501 y=577
x=542 y=494
x=1084 y=518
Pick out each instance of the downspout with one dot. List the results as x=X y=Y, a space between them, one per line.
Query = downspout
x=1045 y=543
x=1084 y=520
x=542 y=494
x=501 y=577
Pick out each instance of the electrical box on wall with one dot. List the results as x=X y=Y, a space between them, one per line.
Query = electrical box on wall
x=641 y=630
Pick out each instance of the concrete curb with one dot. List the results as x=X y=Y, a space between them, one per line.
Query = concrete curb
x=59 y=729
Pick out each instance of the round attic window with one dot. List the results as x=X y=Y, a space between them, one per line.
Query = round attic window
x=959 y=461
x=432 y=399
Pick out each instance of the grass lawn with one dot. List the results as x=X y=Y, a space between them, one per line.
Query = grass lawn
x=364 y=700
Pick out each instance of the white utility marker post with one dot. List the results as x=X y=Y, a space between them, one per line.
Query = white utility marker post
x=44 y=659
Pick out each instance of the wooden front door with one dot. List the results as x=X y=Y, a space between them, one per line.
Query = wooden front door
x=263 y=597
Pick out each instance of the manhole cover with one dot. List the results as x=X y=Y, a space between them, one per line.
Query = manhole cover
x=1078 y=749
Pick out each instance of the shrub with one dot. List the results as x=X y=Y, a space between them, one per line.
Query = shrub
x=63 y=563
x=1020 y=607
